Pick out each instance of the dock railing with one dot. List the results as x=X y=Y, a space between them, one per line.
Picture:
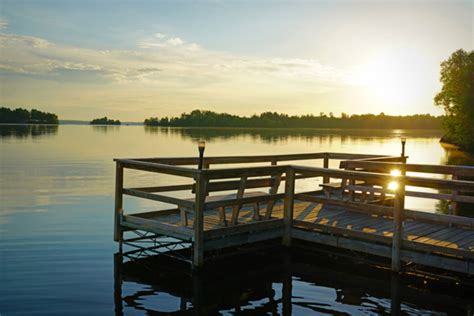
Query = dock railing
x=207 y=181
x=379 y=186
x=450 y=172
x=365 y=181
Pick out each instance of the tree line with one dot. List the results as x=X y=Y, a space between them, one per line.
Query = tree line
x=200 y=118
x=22 y=116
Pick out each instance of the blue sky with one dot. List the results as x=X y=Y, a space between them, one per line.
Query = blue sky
x=134 y=59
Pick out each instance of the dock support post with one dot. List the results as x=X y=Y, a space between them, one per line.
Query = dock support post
x=118 y=262
x=118 y=234
x=399 y=205
x=326 y=166
x=288 y=205
x=395 y=304
x=198 y=251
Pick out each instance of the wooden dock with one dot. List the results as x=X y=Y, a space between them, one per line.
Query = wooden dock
x=354 y=207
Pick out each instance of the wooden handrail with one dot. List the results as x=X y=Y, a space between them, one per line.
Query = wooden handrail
x=239 y=172
x=181 y=161
x=421 y=168
x=434 y=183
x=158 y=168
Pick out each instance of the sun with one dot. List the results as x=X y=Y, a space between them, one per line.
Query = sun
x=392 y=78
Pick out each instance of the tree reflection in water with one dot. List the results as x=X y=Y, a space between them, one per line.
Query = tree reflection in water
x=25 y=131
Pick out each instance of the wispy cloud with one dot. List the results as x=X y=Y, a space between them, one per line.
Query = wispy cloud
x=163 y=41
x=3 y=23
x=156 y=58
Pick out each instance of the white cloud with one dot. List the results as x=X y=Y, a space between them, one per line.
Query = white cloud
x=3 y=23
x=175 y=41
x=161 y=59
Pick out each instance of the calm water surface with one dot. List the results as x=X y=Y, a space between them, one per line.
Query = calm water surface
x=56 y=248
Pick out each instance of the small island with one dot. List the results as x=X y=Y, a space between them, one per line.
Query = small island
x=104 y=121
x=23 y=116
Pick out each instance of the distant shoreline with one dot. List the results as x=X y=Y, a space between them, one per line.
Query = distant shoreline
x=124 y=124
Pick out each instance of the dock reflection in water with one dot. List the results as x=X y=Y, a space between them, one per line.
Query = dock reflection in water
x=265 y=284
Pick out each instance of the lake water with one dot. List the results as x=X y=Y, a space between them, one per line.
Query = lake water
x=56 y=223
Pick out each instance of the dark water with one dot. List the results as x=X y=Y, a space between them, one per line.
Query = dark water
x=57 y=253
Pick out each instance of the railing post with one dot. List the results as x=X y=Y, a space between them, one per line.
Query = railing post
x=454 y=210
x=326 y=166
x=118 y=234
x=288 y=205
x=399 y=205
x=199 y=204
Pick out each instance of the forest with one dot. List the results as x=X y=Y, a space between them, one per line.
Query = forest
x=23 y=116
x=200 y=118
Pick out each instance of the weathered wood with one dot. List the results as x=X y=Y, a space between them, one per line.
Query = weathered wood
x=341 y=231
x=258 y=158
x=199 y=207
x=288 y=206
x=165 y=188
x=368 y=208
x=159 y=168
x=467 y=171
x=157 y=213
x=432 y=260
x=243 y=239
x=240 y=194
x=337 y=173
x=157 y=227
x=357 y=156
x=326 y=179
x=454 y=197
x=248 y=171
x=118 y=210
x=343 y=242
x=398 y=208
x=232 y=159
x=159 y=197
x=273 y=190
x=454 y=204
x=439 y=218
x=248 y=227
x=245 y=200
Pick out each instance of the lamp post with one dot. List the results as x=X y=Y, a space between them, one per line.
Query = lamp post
x=201 y=147
x=403 y=140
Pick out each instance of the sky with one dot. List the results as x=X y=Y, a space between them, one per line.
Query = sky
x=130 y=60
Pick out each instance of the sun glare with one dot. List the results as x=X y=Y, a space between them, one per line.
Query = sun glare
x=395 y=173
x=393 y=185
x=392 y=77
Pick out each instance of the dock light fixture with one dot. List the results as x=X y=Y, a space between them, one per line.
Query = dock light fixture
x=404 y=141
x=201 y=148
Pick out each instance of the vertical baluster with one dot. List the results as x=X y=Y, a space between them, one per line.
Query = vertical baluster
x=199 y=206
x=288 y=206
x=398 y=208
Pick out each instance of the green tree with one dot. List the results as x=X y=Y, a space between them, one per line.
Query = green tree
x=457 y=98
